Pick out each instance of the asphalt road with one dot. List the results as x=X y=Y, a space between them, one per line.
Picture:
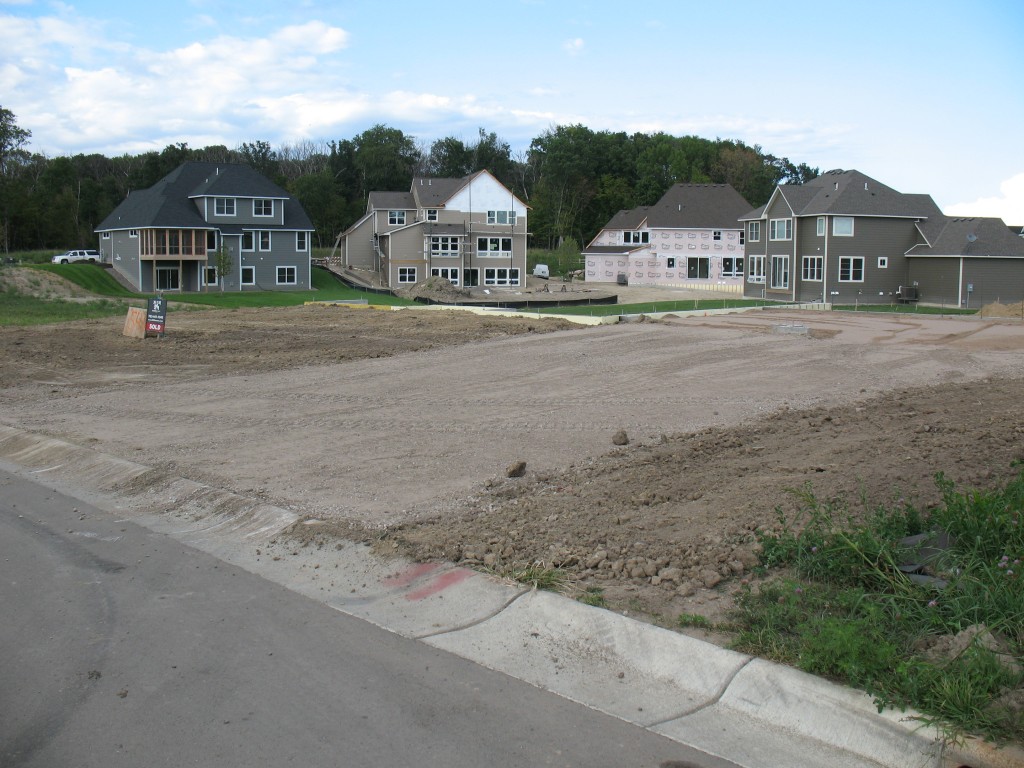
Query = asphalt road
x=123 y=647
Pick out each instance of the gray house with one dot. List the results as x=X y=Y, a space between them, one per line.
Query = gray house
x=470 y=231
x=168 y=237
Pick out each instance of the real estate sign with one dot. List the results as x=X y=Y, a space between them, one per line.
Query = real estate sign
x=156 y=316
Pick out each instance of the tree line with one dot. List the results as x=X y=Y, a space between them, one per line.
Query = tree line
x=573 y=178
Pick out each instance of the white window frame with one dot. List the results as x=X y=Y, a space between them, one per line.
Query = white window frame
x=755 y=231
x=287 y=271
x=737 y=266
x=225 y=206
x=812 y=269
x=251 y=272
x=841 y=231
x=396 y=218
x=820 y=232
x=444 y=246
x=431 y=214
x=501 y=218
x=260 y=206
x=787 y=229
x=780 y=271
x=848 y=266
x=494 y=248
x=756 y=265
x=209 y=271
x=133 y=233
x=451 y=274
x=106 y=235
x=883 y=262
x=407 y=275
x=250 y=236
x=501 y=276
x=264 y=239
x=301 y=242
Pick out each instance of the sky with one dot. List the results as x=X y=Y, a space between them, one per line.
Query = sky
x=926 y=97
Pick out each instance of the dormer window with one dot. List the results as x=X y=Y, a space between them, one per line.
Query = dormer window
x=262 y=207
x=432 y=214
x=636 y=238
x=396 y=218
x=224 y=206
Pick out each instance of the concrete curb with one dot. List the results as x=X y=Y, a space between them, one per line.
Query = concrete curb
x=742 y=709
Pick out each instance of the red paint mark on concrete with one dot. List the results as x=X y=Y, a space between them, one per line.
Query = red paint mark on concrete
x=409 y=575
x=440 y=584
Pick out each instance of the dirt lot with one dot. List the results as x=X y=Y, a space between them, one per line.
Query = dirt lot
x=400 y=427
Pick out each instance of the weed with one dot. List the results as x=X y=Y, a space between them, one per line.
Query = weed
x=693 y=620
x=594 y=596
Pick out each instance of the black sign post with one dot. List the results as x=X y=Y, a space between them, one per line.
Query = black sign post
x=156 y=316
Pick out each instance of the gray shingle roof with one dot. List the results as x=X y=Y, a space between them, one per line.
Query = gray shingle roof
x=852 y=193
x=705 y=206
x=434 y=193
x=390 y=201
x=170 y=203
x=971 y=237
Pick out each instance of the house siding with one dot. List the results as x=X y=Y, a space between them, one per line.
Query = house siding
x=945 y=280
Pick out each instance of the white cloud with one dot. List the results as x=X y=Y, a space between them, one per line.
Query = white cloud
x=573 y=47
x=1008 y=205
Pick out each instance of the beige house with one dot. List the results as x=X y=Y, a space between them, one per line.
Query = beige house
x=471 y=231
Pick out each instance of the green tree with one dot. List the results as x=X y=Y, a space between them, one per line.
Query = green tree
x=13 y=138
x=385 y=159
x=223 y=261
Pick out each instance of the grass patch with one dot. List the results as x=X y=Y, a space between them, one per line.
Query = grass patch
x=841 y=607
x=594 y=596
x=900 y=309
x=22 y=309
x=650 y=307
x=536 y=576
x=91 y=277
x=694 y=620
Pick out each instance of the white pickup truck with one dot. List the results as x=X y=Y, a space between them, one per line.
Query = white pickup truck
x=72 y=256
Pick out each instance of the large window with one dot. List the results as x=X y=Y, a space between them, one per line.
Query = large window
x=406 y=275
x=443 y=246
x=262 y=207
x=286 y=276
x=780 y=271
x=471 y=278
x=636 y=238
x=501 y=276
x=167 y=279
x=756 y=274
x=780 y=229
x=851 y=269
x=732 y=266
x=698 y=267
x=494 y=247
x=224 y=206
x=396 y=218
x=248 y=275
x=501 y=217
x=755 y=231
x=812 y=268
x=451 y=274
x=842 y=226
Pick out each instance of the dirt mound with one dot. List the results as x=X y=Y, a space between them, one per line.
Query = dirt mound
x=36 y=282
x=995 y=309
x=435 y=288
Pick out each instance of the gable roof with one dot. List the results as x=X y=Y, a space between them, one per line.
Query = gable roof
x=849 y=193
x=391 y=201
x=970 y=237
x=693 y=206
x=170 y=202
x=429 y=192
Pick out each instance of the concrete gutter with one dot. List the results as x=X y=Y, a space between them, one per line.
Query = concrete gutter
x=746 y=710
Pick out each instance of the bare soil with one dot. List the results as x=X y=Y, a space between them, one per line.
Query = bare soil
x=651 y=453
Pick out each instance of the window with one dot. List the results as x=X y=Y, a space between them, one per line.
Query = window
x=167 y=279
x=821 y=226
x=501 y=217
x=812 y=268
x=396 y=218
x=264 y=237
x=501 y=276
x=755 y=231
x=742 y=233
x=732 y=266
x=407 y=275
x=131 y=233
x=780 y=229
x=842 y=226
x=301 y=242
x=716 y=234
x=106 y=235
x=756 y=274
x=286 y=276
x=247 y=241
x=211 y=240
x=494 y=247
x=636 y=238
x=210 y=275
x=451 y=274
x=670 y=262
x=248 y=275
x=442 y=246
x=471 y=277
x=224 y=206
x=780 y=271
x=432 y=214
x=851 y=269
x=262 y=207
x=883 y=262
x=698 y=267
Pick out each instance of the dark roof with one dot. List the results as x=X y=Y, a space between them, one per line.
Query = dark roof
x=629 y=219
x=704 y=206
x=434 y=193
x=612 y=250
x=390 y=201
x=169 y=202
x=852 y=193
x=976 y=237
